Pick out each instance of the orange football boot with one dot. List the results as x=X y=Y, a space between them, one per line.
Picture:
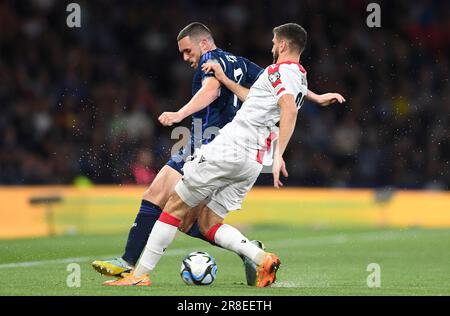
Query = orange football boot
x=129 y=279
x=267 y=270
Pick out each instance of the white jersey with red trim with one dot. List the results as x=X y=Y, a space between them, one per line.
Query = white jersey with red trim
x=224 y=170
x=253 y=124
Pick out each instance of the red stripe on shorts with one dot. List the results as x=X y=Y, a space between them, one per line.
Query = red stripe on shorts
x=260 y=153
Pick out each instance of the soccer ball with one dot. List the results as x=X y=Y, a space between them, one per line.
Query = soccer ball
x=198 y=268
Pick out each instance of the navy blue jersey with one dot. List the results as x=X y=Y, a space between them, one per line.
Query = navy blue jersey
x=224 y=108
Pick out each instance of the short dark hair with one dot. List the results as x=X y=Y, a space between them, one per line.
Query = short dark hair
x=293 y=33
x=195 y=29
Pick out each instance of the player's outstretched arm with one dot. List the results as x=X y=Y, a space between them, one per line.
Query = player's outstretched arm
x=288 y=117
x=324 y=99
x=240 y=91
x=204 y=97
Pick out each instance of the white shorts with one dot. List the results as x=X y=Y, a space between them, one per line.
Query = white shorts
x=221 y=173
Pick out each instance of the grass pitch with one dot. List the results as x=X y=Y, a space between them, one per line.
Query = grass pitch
x=314 y=262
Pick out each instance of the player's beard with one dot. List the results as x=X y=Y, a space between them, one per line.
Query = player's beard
x=275 y=55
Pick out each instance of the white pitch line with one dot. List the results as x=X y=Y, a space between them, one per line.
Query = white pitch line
x=286 y=243
x=26 y=264
x=43 y=262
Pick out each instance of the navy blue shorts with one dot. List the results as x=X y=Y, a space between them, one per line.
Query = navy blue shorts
x=174 y=164
x=177 y=161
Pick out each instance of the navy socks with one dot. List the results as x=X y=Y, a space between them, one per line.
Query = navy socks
x=139 y=232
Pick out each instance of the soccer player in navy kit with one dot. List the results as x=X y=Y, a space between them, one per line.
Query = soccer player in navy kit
x=214 y=106
x=224 y=103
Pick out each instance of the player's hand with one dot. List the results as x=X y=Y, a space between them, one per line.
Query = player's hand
x=170 y=118
x=278 y=166
x=214 y=67
x=330 y=98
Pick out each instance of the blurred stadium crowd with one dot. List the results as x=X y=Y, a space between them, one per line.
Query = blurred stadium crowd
x=85 y=102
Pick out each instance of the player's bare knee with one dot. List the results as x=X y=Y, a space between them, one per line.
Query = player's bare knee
x=176 y=207
x=189 y=219
x=156 y=195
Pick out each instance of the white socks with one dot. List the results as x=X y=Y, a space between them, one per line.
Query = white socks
x=160 y=238
x=230 y=238
x=164 y=232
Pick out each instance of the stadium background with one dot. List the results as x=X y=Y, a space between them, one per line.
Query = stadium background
x=79 y=112
x=85 y=102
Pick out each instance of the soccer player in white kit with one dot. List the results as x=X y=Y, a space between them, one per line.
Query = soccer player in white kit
x=223 y=171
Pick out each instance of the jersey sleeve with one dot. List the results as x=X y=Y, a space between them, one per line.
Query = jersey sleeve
x=253 y=72
x=208 y=57
x=285 y=81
